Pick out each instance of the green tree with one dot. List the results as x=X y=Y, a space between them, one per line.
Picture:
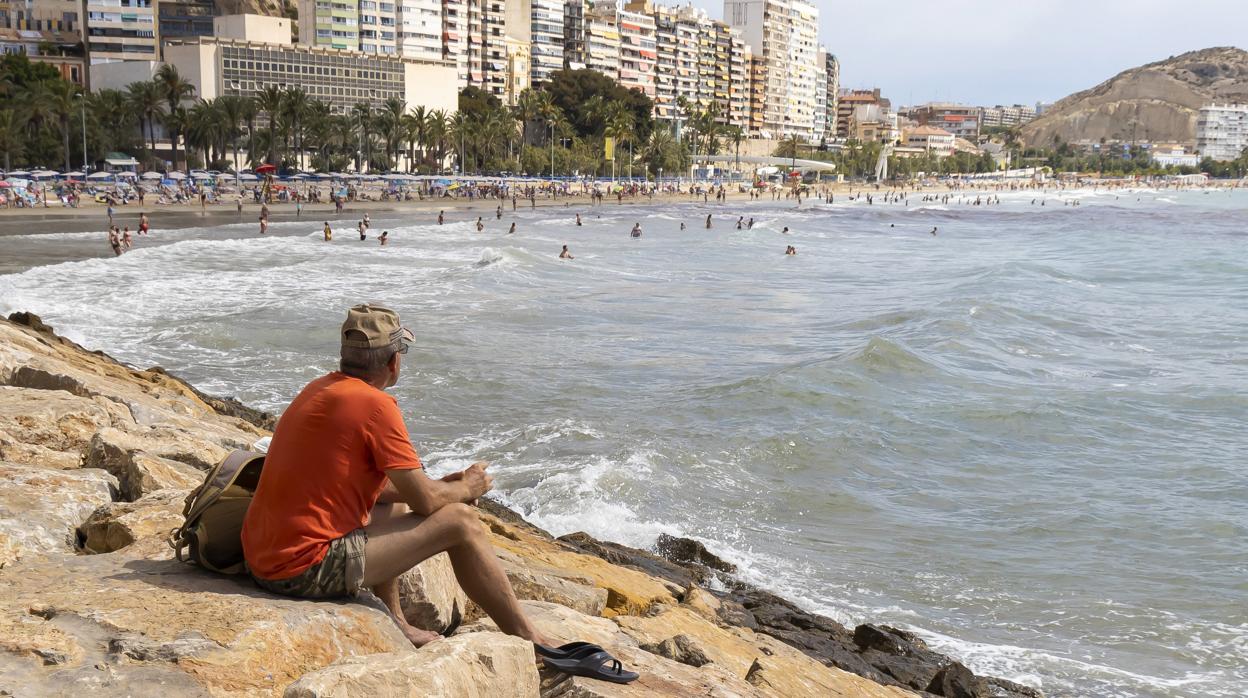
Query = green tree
x=175 y=90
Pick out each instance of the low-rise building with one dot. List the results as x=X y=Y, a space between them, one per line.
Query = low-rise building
x=960 y=120
x=1174 y=155
x=247 y=54
x=932 y=139
x=1222 y=131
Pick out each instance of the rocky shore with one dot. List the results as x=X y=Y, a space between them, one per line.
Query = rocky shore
x=96 y=458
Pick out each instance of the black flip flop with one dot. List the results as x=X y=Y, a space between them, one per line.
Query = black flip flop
x=456 y=619
x=571 y=650
x=598 y=665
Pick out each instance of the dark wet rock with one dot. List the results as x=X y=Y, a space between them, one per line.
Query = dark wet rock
x=1001 y=688
x=956 y=681
x=680 y=575
x=684 y=551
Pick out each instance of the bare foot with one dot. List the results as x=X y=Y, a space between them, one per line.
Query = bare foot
x=418 y=637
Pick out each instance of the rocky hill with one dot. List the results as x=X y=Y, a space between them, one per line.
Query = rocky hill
x=96 y=458
x=1157 y=102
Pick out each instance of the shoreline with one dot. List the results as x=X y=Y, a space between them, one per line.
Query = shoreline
x=92 y=216
x=701 y=585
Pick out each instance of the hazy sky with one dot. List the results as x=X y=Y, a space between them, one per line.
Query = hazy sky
x=989 y=52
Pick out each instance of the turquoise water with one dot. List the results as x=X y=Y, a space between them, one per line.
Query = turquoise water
x=1023 y=437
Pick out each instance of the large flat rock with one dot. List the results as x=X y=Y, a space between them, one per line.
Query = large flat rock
x=41 y=507
x=135 y=617
x=476 y=665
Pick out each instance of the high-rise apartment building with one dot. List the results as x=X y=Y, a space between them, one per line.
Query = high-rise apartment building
x=330 y=23
x=821 y=96
x=378 y=26
x=1222 y=131
x=180 y=19
x=120 y=30
x=638 y=51
x=26 y=26
x=785 y=34
x=699 y=60
x=602 y=40
x=455 y=37
x=832 y=72
x=547 y=32
x=1007 y=117
x=419 y=29
x=575 y=49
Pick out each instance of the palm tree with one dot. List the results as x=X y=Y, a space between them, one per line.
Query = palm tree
x=60 y=96
x=619 y=125
x=296 y=108
x=174 y=89
x=249 y=111
x=176 y=122
x=459 y=128
x=11 y=138
x=269 y=100
x=362 y=116
x=736 y=134
x=233 y=114
x=416 y=132
x=438 y=127
x=145 y=100
x=391 y=127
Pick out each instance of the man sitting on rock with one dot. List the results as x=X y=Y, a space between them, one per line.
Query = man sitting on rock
x=343 y=503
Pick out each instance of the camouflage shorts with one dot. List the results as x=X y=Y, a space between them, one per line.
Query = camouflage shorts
x=339 y=573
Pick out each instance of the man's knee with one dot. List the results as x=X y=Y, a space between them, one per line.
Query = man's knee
x=462 y=518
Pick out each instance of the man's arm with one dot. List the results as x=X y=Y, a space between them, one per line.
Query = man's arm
x=425 y=495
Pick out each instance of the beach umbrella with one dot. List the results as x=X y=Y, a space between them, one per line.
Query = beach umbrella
x=4 y=184
x=152 y=175
x=126 y=175
x=298 y=176
x=201 y=175
x=248 y=177
x=175 y=176
x=42 y=174
x=266 y=169
x=75 y=173
x=100 y=175
x=19 y=173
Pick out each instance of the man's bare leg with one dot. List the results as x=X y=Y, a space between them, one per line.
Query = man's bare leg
x=398 y=543
x=388 y=590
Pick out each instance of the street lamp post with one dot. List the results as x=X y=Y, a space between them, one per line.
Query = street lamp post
x=552 y=150
x=85 y=166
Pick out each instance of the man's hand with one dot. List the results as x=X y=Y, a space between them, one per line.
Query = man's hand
x=477 y=480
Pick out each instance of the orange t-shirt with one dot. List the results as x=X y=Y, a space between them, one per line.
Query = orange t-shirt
x=324 y=471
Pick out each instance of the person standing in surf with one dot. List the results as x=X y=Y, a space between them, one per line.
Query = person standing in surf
x=565 y=254
x=329 y=232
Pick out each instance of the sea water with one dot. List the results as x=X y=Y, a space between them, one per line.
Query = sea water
x=1025 y=437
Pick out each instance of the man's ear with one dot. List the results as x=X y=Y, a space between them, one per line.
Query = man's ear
x=393 y=363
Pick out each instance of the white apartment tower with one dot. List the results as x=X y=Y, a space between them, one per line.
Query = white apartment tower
x=1222 y=131
x=546 y=18
x=784 y=37
x=419 y=29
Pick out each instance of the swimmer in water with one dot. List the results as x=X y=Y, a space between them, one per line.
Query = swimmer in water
x=144 y=225
x=682 y=225
x=513 y=228
x=750 y=225
x=791 y=251
x=441 y=214
x=114 y=240
x=708 y=221
x=565 y=254
x=385 y=236
x=636 y=230
x=740 y=222
x=329 y=232
x=480 y=225
x=578 y=220
x=264 y=224
x=362 y=227
x=367 y=222
x=785 y=231
x=126 y=240
x=933 y=231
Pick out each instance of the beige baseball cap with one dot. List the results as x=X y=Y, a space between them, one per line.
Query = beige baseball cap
x=380 y=327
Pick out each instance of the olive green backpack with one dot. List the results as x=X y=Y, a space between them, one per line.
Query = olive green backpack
x=211 y=534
